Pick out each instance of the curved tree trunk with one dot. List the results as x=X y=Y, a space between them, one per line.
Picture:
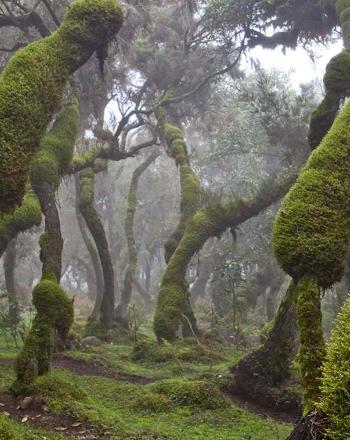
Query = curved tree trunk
x=121 y=310
x=95 y=226
x=93 y=256
x=190 y=200
x=208 y=222
x=55 y=312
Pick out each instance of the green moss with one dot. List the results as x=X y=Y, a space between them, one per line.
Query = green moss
x=56 y=148
x=199 y=393
x=59 y=394
x=209 y=222
x=311 y=239
x=312 y=346
x=152 y=403
x=55 y=313
x=32 y=85
x=336 y=80
x=150 y=351
x=87 y=183
x=6 y=432
x=312 y=228
x=189 y=182
x=24 y=217
x=335 y=386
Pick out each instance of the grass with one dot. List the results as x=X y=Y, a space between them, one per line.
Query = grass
x=184 y=402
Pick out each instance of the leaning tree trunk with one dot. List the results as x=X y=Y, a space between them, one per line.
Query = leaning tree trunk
x=122 y=308
x=54 y=308
x=95 y=226
x=208 y=222
x=95 y=314
x=190 y=200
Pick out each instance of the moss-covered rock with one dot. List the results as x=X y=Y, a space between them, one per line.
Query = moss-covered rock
x=32 y=85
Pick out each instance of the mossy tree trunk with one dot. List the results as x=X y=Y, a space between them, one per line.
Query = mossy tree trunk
x=312 y=228
x=95 y=227
x=259 y=374
x=54 y=309
x=95 y=314
x=312 y=345
x=122 y=308
x=190 y=200
x=23 y=218
x=35 y=78
x=208 y=222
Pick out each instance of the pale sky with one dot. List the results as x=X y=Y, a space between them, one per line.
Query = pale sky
x=297 y=62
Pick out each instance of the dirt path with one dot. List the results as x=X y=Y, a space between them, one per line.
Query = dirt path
x=40 y=417
x=89 y=369
x=92 y=369
x=64 y=424
x=276 y=415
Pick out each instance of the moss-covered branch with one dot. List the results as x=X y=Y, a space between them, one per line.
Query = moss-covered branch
x=190 y=196
x=24 y=217
x=54 y=308
x=95 y=226
x=122 y=307
x=208 y=222
x=32 y=85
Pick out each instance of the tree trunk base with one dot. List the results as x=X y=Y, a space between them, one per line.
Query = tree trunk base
x=311 y=427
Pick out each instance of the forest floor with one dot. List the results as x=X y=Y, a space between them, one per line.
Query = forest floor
x=119 y=391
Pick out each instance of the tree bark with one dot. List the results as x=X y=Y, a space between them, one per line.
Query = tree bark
x=259 y=374
x=94 y=316
x=208 y=222
x=121 y=310
x=95 y=226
